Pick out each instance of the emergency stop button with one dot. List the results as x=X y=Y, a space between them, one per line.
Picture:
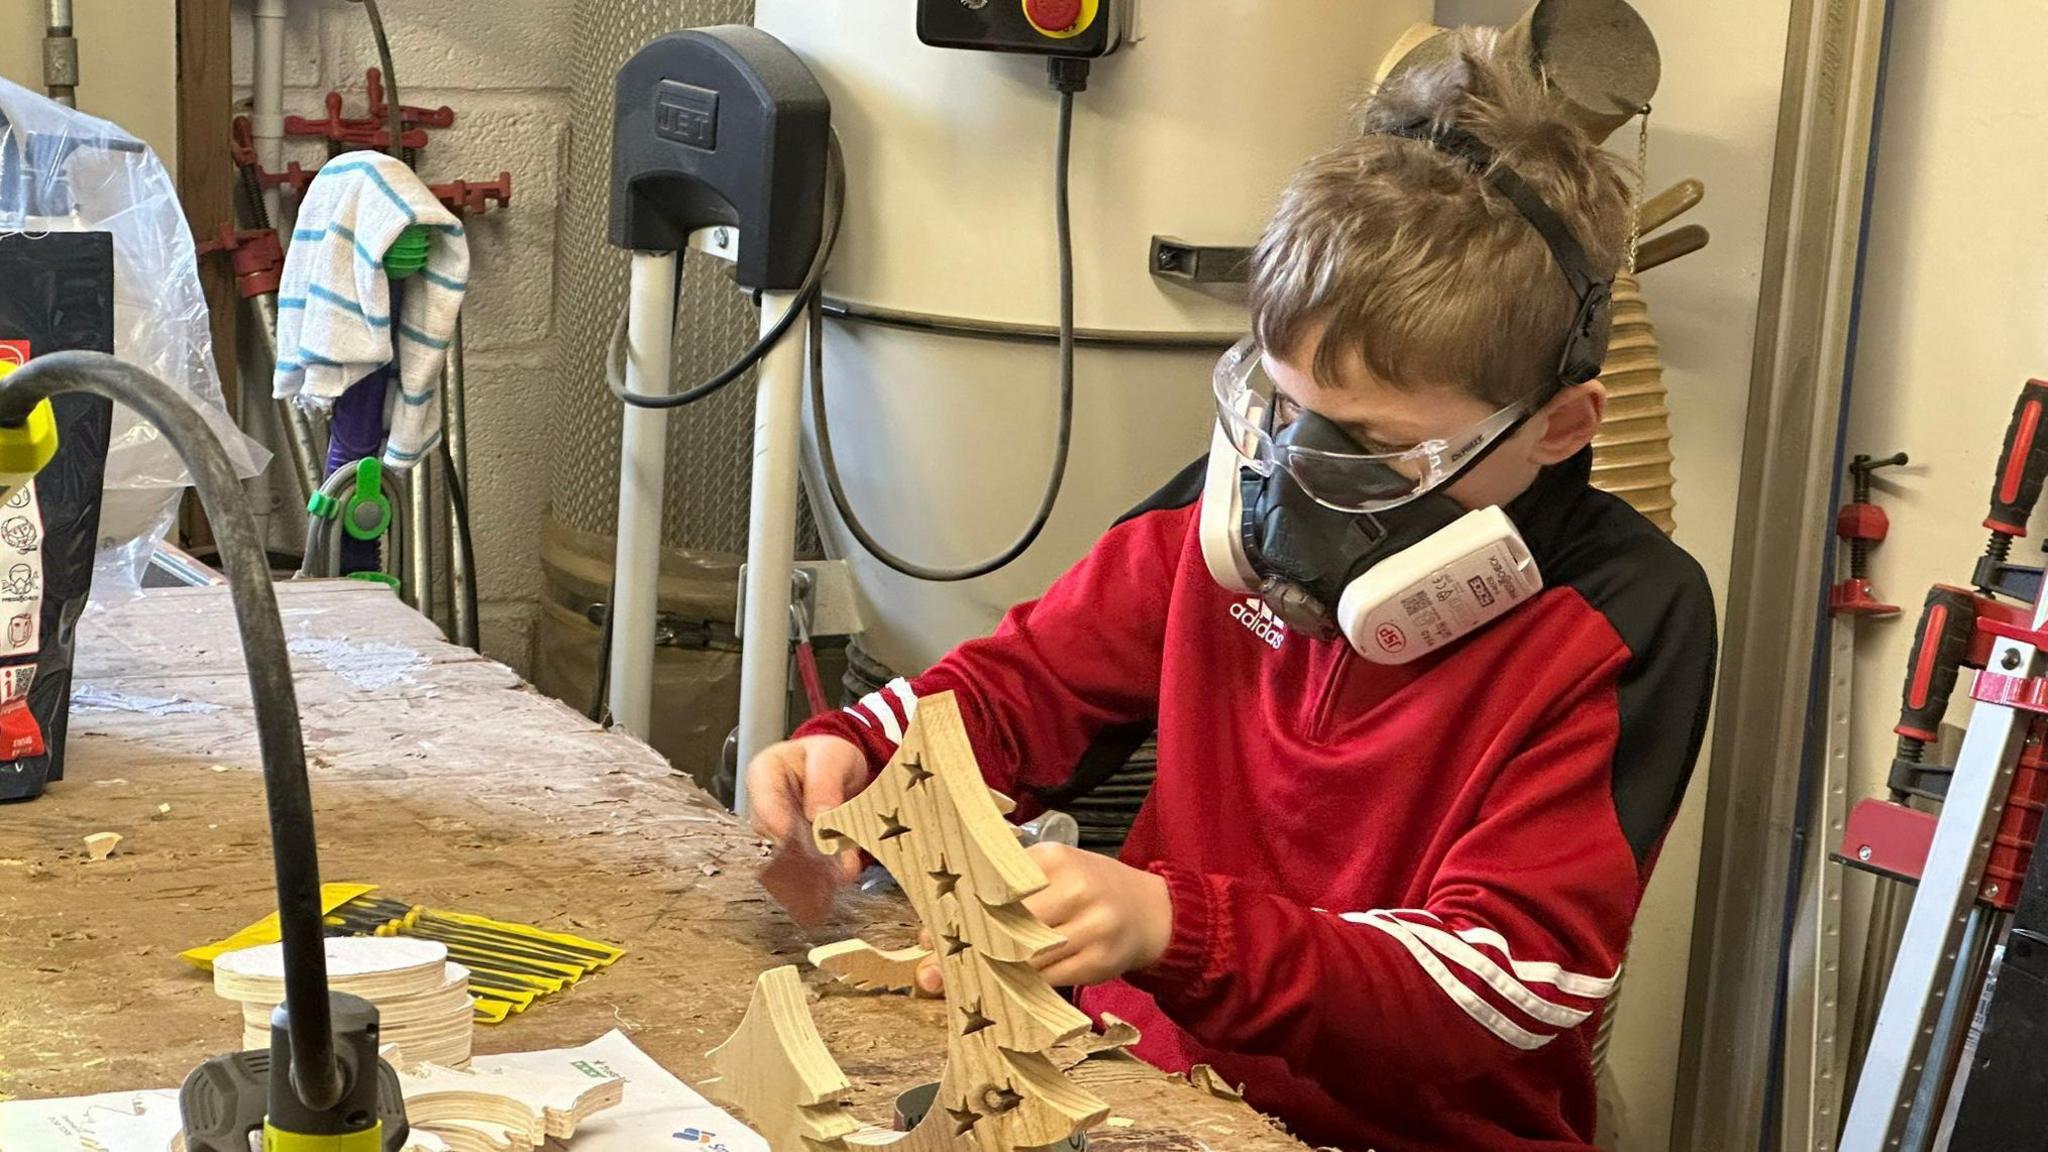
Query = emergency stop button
x=1055 y=17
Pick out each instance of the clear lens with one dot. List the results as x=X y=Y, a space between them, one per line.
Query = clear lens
x=1345 y=481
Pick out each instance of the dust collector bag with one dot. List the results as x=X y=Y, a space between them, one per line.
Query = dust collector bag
x=56 y=294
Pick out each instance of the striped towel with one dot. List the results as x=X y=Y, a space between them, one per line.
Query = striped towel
x=334 y=322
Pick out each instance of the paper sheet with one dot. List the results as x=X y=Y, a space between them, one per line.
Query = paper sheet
x=113 y=1122
x=658 y=1111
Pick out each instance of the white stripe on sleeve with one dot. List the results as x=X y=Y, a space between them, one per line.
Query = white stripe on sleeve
x=859 y=715
x=1481 y=965
x=1537 y=972
x=900 y=688
x=1492 y=1018
x=880 y=710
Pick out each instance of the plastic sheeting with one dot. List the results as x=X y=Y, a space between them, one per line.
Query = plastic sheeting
x=64 y=171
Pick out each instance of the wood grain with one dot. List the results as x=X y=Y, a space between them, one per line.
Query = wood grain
x=453 y=785
x=932 y=822
x=859 y=964
x=503 y=1110
x=777 y=1071
x=206 y=181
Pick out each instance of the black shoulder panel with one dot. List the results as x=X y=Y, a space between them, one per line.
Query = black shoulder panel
x=1656 y=597
x=1184 y=489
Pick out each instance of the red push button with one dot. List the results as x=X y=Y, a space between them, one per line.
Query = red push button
x=1053 y=16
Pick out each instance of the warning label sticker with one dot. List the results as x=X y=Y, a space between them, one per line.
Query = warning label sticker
x=21 y=575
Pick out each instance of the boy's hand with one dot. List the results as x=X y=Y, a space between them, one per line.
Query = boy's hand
x=1116 y=918
x=788 y=786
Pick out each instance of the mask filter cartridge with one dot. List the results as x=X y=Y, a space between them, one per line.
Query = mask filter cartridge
x=1448 y=585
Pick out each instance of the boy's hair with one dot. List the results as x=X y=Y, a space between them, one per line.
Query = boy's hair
x=1412 y=261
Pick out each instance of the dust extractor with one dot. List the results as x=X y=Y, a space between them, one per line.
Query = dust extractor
x=981 y=202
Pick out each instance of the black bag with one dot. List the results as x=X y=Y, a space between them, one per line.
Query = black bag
x=56 y=294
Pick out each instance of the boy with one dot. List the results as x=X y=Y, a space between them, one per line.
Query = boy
x=1390 y=899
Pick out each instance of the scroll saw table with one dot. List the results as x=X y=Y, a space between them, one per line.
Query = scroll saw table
x=442 y=777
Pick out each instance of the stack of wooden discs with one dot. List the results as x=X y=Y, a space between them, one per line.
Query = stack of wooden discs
x=1632 y=453
x=422 y=1000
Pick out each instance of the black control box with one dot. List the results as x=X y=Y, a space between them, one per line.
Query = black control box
x=1085 y=28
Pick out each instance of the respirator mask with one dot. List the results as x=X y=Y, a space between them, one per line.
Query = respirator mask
x=1339 y=540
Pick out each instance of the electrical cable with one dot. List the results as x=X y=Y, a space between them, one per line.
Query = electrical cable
x=316 y=1077
x=458 y=498
x=1010 y=332
x=1063 y=227
x=458 y=513
x=807 y=291
x=394 y=115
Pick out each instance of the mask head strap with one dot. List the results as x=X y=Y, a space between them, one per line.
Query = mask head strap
x=1585 y=346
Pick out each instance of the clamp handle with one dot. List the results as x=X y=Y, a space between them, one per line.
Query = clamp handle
x=2022 y=465
x=369 y=493
x=1941 y=643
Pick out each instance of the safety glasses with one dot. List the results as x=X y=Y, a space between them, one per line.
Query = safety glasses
x=1259 y=422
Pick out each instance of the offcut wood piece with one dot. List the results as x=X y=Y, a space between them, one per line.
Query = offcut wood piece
x=777 y=1071
x=422 y=999
x=859 y=964
x=503 y=1111
x=100 y=845
x=373 y=967
x=931 y=821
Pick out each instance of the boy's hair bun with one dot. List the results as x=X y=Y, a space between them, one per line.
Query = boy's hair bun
x=1397 y=254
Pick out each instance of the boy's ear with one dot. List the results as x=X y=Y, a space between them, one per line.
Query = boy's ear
x=1570 y=421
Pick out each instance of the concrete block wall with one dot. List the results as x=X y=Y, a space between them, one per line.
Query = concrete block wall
x=503 y=67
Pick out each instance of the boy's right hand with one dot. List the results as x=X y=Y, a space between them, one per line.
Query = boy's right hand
x=788 y=786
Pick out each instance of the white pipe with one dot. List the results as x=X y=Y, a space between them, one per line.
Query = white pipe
x=266 y=120
x=771 y=542
x=643 y=456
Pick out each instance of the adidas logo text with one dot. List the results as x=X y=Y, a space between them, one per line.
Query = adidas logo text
x=1260 y=621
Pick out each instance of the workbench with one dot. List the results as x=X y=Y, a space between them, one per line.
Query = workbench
x=442 y=777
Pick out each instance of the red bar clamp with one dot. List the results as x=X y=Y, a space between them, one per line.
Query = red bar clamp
x=1860 y=524
x=464 y=197
x=352 y=133
x=255 y=255
x=293 y=179
x=2012 y=846
x=408 y=116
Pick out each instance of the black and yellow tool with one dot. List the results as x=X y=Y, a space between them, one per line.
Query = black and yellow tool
x=510 y=965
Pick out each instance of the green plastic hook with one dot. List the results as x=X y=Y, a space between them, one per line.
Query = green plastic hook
x=408 y=253
x=369 y=492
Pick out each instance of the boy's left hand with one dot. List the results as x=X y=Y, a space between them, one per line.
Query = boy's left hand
x=1115 y=918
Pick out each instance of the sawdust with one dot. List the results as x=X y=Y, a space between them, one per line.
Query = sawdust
x=615 y=851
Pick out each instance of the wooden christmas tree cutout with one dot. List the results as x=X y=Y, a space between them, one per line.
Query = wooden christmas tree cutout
x=859 y=964
x=777 y=1071
x=931 y=821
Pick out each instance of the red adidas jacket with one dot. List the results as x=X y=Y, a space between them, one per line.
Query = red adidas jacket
x=1400 y=894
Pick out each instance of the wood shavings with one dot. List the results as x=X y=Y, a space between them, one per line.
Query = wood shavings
x=100 y=845
x=1116 y=1036
x=162 y=810
x=1209 y=1080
